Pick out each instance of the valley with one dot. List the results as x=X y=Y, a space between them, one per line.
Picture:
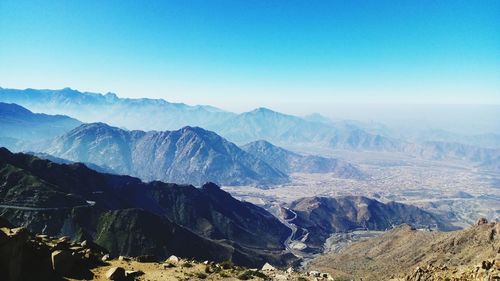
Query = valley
x=457 y=190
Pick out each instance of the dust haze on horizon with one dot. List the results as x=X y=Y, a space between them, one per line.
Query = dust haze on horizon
x=433 y=66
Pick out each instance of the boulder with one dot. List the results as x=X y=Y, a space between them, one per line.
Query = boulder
x=12 y=242
x=105 y=258
x=268 y=267
x=116 y=273
x=123 y=258
x=315 y=273
x=482 y=221
x=172 y=259
x=290 y=270
x=63 y=262
x=133 y=273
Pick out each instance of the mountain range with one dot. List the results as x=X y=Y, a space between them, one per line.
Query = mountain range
x=291 y=162
x=18 y=125
x=157 y=114
x=189 y=155
x=120 y=211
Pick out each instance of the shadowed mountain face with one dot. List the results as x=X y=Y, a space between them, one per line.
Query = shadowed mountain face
x=291 y=162
x=188 y=155
x=17 y=124
x=322 y=216
x=76 y=201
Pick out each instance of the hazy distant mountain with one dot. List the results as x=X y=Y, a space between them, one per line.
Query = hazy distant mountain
x=322 y=216
x=189 y=155
x=284 y=129
x=132 y=217
x=17 y=124
x=157 y=114
x=143 y=114
x=487 y=158
x=290 y=162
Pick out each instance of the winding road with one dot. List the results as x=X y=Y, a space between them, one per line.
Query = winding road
x=25 y=208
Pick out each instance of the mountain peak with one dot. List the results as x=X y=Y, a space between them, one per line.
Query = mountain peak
x=210 y=186
x=263 y=110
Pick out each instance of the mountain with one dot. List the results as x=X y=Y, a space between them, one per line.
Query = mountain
x=291 y=162
x=189 y=155
x=58 y=160
x=158 y=114
x=319 y=217
x=406 y=252
x=486 y=158
x=143 y=114
x=72 y=200
x=17 y=124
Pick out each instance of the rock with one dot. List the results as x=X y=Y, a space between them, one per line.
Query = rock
x=123 y=258
x=486 y=265
x=133 y=273
x=12 y=245
x=64 y=239
x=315 y=273
x=482 y=221
x=172 y=259
x=116 y=273
x=105 y=257
x=84 y=244
x=205 y=262
x=268 y=267
x=146 y=258
x=280 y=277
x=63 y=262
x=76 y=249
x=290 y=270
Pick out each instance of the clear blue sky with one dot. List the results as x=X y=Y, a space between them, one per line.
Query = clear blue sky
x=242 y=54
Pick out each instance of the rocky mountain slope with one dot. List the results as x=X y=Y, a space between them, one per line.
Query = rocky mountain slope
x=408 y=254
x=291 y=162
x=78 y=202
x=319 y=217
x=189 y=155
x=18 y=125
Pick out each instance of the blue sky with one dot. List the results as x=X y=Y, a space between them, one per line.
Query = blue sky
x=288 y=55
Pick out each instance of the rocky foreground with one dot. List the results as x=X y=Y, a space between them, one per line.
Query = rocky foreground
x=25 y=256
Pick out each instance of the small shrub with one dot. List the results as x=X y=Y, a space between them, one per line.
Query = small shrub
x=227 y=264
x=201 y=275
x=260 y=275
x=246 y=275
x=187 y=265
